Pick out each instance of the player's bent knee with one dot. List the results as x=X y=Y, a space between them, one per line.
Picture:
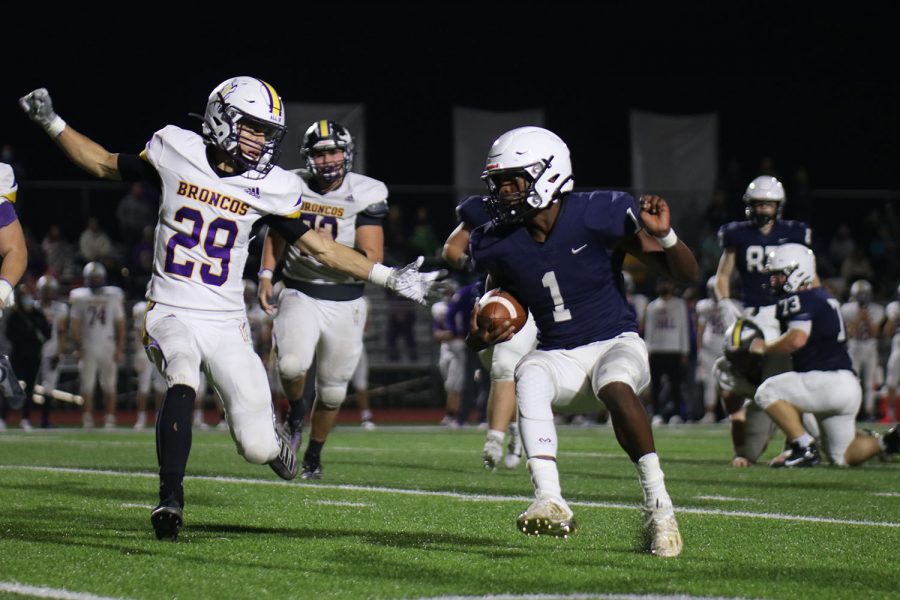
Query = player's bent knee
x=535 y=391
x=291 y=367
x=331 y=396
x=257 y=450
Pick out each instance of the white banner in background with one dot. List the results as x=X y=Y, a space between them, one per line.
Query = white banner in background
x=473 y=133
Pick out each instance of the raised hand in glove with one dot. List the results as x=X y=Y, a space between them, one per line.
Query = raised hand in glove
x=39 y=108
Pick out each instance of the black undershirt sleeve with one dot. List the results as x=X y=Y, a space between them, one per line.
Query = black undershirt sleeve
x=290 y=229
x=134 y=168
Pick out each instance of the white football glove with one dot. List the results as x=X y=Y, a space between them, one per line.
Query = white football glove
x=729 y=311
x=39 y=108
x=407 y=281
x=6 y=294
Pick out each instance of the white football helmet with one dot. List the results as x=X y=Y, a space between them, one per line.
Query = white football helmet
x=94 y=274
x=245 y=100
x=764 y=188
x=535 y=153
x=47 y=287
x=327 y=135
x=861 y=291
x=797 y=262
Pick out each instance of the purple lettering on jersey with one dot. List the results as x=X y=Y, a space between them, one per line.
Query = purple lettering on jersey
x=221 y=252
x=183 y=239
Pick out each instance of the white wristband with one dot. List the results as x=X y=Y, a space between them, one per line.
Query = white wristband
x=379 y=274
x=55 y=127
x=6 y=289
x=265 y=274
x=668 y=240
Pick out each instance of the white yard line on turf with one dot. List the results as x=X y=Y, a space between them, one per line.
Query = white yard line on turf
x=459 y=496
x=887 y=494
x=725 y=499
x=582 y=597
x=45 y=592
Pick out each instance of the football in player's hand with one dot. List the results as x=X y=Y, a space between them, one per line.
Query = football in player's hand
x=498 y=306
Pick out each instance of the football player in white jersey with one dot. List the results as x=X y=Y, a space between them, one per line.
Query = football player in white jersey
x=321 y=312
x=57 y=314
x=97 y=329
x=892 y=372
x=710 y=339
x=863 y=319
x=150 y=381
x=215 y=186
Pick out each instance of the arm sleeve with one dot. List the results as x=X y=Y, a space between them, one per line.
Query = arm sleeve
x=290 y=229
x=374 y=214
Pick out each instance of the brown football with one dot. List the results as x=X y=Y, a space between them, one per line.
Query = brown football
x=498 y=306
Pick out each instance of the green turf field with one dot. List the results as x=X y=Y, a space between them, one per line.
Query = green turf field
x=410 y=513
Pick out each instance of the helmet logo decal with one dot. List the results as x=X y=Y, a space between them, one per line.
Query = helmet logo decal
x=274 y=100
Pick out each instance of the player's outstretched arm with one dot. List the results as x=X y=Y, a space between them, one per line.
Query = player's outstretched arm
x=81 y=150
x=454 y=250
x=407 y=281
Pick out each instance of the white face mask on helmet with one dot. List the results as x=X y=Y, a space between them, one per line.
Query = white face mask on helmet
x=764 y=188
x=245 y=101
x=539 y=156
x=797 y=262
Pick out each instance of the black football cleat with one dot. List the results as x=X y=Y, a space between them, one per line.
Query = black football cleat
x=801 y=456
x=311 y=470
x=891 y=441
x=285 y=464
x=167 y=519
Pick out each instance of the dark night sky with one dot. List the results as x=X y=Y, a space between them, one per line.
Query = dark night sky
x=807 y=87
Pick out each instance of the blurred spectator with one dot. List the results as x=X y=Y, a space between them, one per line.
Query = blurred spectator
x=397 y=248
x=94 y=244
x=842 y=245
x=401 y=323
x=857 y=266
x=58 y=253
x=667 y=335
x=37 y=262
x=135 y=211
x=142 y=262
x=424 y=240
x=716 y=212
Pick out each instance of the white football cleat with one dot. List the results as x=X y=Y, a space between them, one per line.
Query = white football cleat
x=547 y=515
x=492 y=453
x=663 y=534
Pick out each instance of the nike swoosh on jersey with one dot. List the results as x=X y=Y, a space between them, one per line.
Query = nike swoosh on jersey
x=577 y=250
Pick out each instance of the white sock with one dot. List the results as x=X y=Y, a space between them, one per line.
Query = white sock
x=495 y=435
x=365 y=415
x=804 y=440
x=545 y=477
x=198 y=416
x=653 y=483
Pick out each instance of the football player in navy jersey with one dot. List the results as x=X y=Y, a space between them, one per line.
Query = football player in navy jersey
x=745 y=245
x=823 y=382
x=560 y=253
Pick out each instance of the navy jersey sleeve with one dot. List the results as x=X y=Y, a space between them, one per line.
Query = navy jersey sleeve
x=800 y=233
x=726 y=236
x=792 y=308
x=473 y=212
x=614 y=215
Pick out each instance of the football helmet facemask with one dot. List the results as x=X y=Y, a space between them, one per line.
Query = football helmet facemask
x=322 y=136
x=536 y=155
x=764 y=188
x=238 y=110
x=796 y=262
